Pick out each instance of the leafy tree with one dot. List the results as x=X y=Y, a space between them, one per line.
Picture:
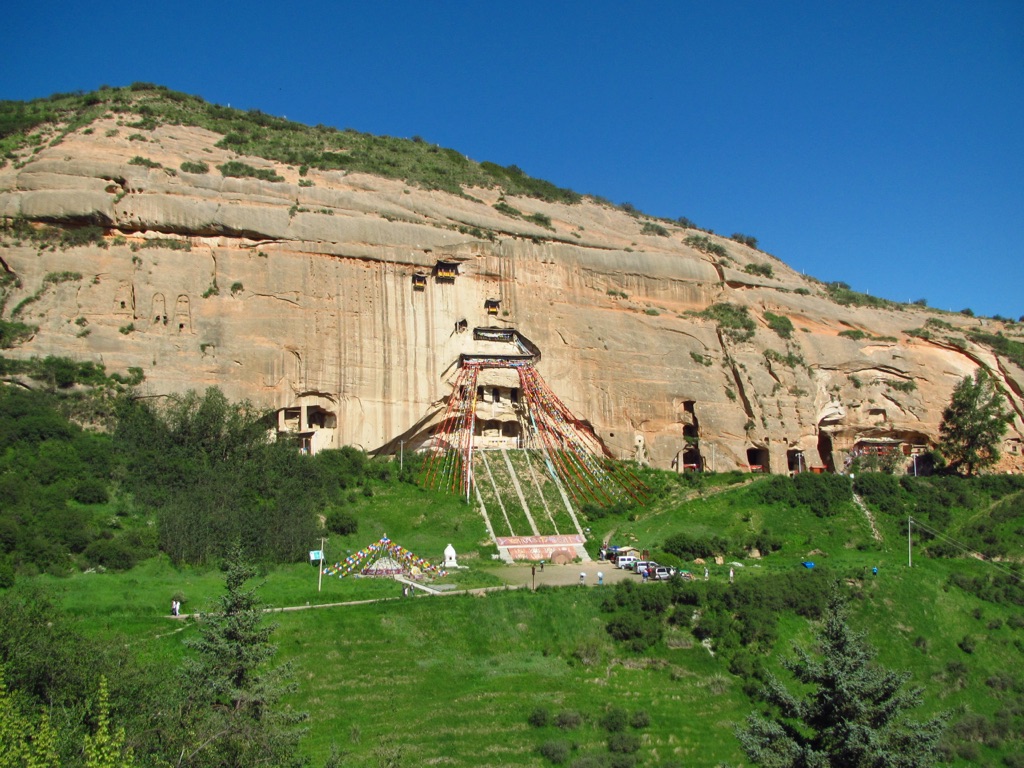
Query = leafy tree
x=106 y=747
x=851 y=713
x=24 y=742
x=231 y=713
x=973 y=425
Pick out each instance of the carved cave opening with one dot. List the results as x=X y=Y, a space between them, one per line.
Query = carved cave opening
x=758 y=460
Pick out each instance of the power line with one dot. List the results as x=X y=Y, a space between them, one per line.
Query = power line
x=963 y=547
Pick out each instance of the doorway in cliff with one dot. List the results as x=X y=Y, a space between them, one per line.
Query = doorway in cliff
x=796 y=461
x=758 y=460
x=692 y=459
x=825 y=450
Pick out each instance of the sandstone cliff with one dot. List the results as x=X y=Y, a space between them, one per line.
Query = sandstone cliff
x=320 y=296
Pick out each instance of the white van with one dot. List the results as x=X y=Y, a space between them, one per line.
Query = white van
x=626 y=561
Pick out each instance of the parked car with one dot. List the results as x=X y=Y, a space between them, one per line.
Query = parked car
x=626 y=561
x=662 y=573
x=644 y=566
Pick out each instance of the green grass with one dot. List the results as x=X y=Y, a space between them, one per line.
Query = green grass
x=453 y=678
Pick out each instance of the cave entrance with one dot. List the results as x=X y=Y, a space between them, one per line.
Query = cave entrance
x=825 y=451
x=758 y=460
x=692 y=460
x=796 y=461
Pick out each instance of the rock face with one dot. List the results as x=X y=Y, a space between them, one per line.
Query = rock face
x=339 y=301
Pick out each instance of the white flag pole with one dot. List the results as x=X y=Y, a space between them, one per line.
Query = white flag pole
x=320 y=573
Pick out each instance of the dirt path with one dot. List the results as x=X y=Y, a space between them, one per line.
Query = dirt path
x=514 y=576
x=867 y=513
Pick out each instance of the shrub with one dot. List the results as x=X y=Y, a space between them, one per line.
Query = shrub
x=623 y=743
x=650 y=228
x=852 y=333
x=145 y=162
x=615 y=720
x=90 y=491
x=732 y=319
x=638 y=632
x=640 y=719
x=746 y=240
x=115 y=554
x=556 y=751
x=242 y=170
x=568 y=719
x=781 y=324
x=539 y=717
x=342 y=523
x=195 y=167
x=236 y=288
x=705 y=244
x=502 y=207
x=540 y=219
x=764 y=270
x=823 y=494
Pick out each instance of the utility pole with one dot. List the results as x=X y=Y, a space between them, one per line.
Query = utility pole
x=910 y=552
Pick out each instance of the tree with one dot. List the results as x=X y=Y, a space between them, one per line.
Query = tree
x=106 y=747
x=852 y=714
x=973 y=425
x=231 y=714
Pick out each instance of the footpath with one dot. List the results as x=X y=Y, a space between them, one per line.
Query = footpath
x=514 y=576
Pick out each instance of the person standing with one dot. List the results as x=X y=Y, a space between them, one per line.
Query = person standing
x=706 y=574
x=583 y=578
x=730 y=575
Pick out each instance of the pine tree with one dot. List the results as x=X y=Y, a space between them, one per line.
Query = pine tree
x=232 y=714
x=973 y=424
x=852 y=715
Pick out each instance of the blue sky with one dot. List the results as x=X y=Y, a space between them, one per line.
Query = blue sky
x=876 y=143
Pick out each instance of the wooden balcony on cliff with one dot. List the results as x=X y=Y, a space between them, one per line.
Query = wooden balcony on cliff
x=446 y=271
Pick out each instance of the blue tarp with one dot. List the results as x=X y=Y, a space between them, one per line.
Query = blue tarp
x=807 y=564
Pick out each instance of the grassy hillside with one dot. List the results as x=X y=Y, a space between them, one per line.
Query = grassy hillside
x=454 y=679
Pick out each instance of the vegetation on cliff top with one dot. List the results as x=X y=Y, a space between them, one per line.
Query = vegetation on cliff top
x=258 y=134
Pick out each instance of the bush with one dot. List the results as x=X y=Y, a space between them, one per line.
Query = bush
x=568 y=719
x=539 y=717
x=191 y=167
x=732 y=319
x=640 y=719
x=882 y=490
x=342 y=523
x=781 y=324
x=623 y=743
x=115 y=554
x=650 y=228
x=687 y=547
x=823 y=494
x=556 y=751
x=243 y=170
x=763 y=270
x=90 y=491
x=638 y=632
x=705 y=244
x=145 y=162
x=746 y=240
x=615 y=720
